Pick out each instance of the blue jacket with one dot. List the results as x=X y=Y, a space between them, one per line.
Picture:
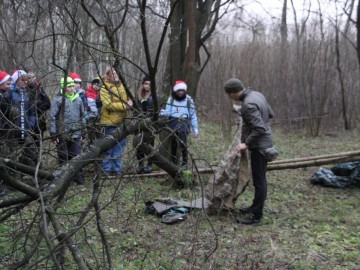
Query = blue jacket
x=181 y=112
x=25 y=118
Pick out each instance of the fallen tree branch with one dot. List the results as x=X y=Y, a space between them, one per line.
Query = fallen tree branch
x=342 y=154
x=280 y=164
x=312 y=163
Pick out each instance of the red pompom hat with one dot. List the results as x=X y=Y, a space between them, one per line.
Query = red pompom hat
x=180 y=85
x=76 y=77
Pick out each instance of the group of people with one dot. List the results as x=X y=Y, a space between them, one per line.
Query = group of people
x=181 y=112
x=104 y=106
x=98 y=111
x=23 y=103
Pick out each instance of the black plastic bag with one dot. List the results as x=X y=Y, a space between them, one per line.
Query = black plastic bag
x=327 y=178
x=340 y=176
x=345 y=169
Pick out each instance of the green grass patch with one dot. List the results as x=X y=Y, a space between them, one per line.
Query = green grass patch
x=304 y=226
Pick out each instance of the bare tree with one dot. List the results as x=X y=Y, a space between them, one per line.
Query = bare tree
x=192 y=24
x=72 y=45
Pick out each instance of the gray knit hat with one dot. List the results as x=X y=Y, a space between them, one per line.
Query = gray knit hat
x=233 y=85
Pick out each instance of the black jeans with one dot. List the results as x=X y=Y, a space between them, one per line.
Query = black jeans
x=149 y=139
x=179 y=139
x=68 y=149
x=258 y=169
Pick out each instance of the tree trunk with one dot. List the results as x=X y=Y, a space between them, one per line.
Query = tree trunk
x=283 y=27
x=188 y=22
x=358 y=32
x=341 y=80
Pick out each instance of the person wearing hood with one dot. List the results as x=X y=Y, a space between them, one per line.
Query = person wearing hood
x=68 y=139
x=115 y=106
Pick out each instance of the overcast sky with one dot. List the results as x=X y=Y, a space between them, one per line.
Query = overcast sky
x=268 y=8
x=268 y=13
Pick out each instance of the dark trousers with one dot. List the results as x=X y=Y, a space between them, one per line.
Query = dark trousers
x=148 y=138
x=258 y=169
x=29 y=154
x=68 y=149
x=179 y=139
x=26 y=148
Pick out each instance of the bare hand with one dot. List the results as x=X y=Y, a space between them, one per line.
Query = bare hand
x=130 y=103
x=240 y=147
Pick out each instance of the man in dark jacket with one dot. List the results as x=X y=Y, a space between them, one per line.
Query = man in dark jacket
x=256 y=137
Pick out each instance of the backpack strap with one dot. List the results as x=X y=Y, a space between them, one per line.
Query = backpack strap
x=188 y=103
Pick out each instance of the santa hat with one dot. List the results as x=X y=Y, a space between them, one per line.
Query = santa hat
x=17 y=74
x=180 y=85
x=76 y=77
x=4 y=77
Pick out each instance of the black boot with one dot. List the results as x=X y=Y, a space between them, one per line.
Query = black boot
x=140 y=169
x=80 y=180
x=246 y=210
x=248 y=220
x=148 y=168
x=3 y=192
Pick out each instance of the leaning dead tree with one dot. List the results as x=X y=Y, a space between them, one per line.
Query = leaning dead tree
x=232 y=175
x=229 y=180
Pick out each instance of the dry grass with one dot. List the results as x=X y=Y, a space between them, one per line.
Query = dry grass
x=304 y=226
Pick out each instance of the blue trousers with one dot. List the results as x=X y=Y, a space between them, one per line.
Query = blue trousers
x=111 y=162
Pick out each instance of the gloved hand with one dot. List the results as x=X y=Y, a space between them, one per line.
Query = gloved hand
x=195 y=134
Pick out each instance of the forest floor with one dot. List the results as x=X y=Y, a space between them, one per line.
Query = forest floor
x=305 y=226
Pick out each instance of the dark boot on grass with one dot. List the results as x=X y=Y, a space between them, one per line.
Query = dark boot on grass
x=248 y=220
